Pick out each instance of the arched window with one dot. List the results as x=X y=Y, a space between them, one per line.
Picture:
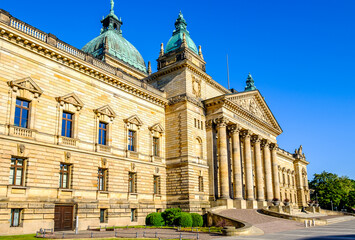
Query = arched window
x=198 y=148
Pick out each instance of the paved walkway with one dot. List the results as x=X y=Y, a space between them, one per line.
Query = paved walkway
x=337 y=231
x=266 y=223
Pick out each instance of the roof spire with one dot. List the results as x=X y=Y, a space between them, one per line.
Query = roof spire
x=112 y=5
x=149 y=68
x=161 y=49
x=250 y=84
x=200 y=51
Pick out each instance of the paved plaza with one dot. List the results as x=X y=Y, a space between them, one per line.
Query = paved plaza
x=337 y=231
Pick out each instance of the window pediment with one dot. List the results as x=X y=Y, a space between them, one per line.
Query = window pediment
x=157 y=128
x=26 y=84
x=134 y=120
x=71 y=98
x=105 y=110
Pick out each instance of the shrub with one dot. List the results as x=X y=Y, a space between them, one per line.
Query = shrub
x=197 y=220
x=170 y=215
x=154 y=219
x=184 y=220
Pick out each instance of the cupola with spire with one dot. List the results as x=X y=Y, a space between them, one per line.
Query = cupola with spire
x=250 y=84
x=180 y=47
x=178 y=36
x=111 y=44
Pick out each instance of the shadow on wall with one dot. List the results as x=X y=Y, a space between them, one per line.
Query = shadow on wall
x=352 y=236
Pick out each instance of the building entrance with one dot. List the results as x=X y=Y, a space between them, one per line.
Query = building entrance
x=63 y=217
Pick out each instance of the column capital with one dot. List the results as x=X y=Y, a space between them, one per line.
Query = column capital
x=273 y=146
x=209 y=124
x=245 y=133
x=235 y=128
x=221 y=122
x=265 y=143
x=256 y=139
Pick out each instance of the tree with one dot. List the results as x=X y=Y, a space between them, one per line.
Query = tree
x=330 y=188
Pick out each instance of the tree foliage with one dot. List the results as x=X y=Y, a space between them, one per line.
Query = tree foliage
x=330 y=188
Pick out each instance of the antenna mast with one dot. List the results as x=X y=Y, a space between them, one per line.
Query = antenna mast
x=228 y=73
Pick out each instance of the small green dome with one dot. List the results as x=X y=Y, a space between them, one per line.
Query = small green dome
x=178 y=34
x=111 y=40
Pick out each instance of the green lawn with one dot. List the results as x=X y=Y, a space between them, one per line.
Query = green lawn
x=32 y=237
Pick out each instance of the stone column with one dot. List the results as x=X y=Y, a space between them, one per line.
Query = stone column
x=275 y=170
x=223 y=158
x=268 y=172
x=248 y=166
x=258 y=169
x=237 y=165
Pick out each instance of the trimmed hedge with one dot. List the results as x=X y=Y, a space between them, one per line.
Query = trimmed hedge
x=154 y=219
x=184 y=220
x=197 y=220
x=170 y=215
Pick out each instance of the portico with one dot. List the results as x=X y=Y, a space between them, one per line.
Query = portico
x=242 y=150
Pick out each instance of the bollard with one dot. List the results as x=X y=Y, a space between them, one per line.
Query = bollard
x=144 y=234
x=63 y=236
x=136 y=234
x=156 y=234
x=159 y=238
x=44 y=234
x=180 y=236
x=305 y=223
x=209 y=229
x=314 y=222
x=198 y=237
x=127 y=226
x=310 y=223
x=92 y=235
x=116 y=235
x=36 y=234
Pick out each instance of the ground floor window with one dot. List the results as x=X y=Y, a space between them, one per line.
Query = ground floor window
x=15 y=217
x=103 y=215
x=133 y=215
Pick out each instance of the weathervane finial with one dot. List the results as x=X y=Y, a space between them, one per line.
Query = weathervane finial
x=112 y=5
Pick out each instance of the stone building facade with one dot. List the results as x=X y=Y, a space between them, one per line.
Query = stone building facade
x=94 y=135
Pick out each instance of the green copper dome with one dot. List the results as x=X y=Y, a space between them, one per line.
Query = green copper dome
x=176 y=40
x=112 y=42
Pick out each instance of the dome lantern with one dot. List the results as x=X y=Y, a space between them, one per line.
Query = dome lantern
x=180 y=35
x=111 y=43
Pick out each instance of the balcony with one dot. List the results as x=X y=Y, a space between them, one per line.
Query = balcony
x=21 y=132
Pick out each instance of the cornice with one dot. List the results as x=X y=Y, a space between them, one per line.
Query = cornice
x=101 y=71
x=192 y=67
x=185 y=98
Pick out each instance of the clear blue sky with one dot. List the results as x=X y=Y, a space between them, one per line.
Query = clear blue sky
x=300 y=53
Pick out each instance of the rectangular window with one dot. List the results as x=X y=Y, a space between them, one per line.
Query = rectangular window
x=15 y=217
x=102 y=133
x=64 y=175
x=131 y=140
x=132 y=183
x=103 y=215
x=16 y=171
x=101 y=179
x=133 y=215
x=67 y=125
x=156 y=146
x=22 y=113
x=156 y=185
x=200 y=184
x=201 y=125
x=195 y=122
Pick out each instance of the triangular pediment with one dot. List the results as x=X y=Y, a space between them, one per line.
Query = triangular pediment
x=157 y=128
x=71 y=98
x=27 y=84
x=254 y=103
x=134 y=120
x=106 y=110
